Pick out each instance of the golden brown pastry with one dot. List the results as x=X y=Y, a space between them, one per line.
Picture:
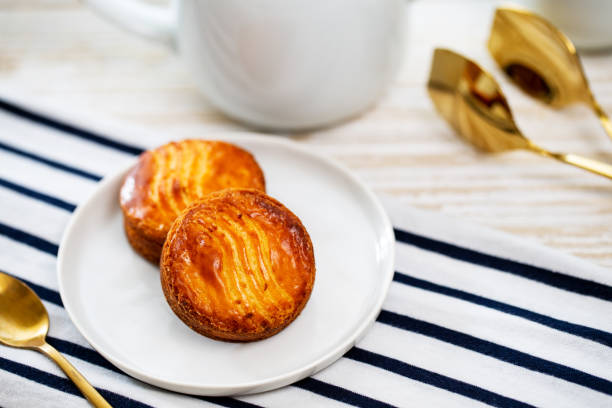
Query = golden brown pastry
x=238 y=266
x=168 y=179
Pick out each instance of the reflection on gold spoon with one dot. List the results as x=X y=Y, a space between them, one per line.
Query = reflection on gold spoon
x=472 y=102
x=24 y=323
x=541 y=60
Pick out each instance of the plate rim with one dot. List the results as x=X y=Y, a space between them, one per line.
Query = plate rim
x=269 y=383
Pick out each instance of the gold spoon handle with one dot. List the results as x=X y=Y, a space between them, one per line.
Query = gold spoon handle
x=88 y=391
x=603 y=118
x=584 y=163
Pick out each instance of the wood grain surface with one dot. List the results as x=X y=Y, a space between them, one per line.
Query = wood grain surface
x=60 y=53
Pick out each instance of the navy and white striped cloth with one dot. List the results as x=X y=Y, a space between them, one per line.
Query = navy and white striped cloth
x=473 y=317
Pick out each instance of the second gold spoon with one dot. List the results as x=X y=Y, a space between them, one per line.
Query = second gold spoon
x=24 y=323
x=472 y=102
x=541 y=60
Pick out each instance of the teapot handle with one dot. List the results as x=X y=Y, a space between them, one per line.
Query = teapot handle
x=155 y=22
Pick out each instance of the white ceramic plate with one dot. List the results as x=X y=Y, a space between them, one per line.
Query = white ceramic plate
x=114 y=297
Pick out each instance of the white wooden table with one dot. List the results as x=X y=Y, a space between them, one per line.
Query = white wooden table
x=59 y=53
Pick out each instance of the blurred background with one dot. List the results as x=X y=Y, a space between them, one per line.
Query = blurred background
x=61 y=55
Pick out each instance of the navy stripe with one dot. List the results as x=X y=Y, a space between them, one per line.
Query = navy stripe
x=496 y=351
x=64 y=384
x=47 y=199
x=67 y=128
x=44 y=293
x=93 y=357
x=586 y=332
x=28 y=239
x=49 y=295
x=339 y=393
x=434 y=379
x=50 y=163
x=82 y=353
x=227 y=402
x=538 y=274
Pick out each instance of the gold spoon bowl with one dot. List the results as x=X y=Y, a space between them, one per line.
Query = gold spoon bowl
x=472 y=102
x=24 y=323
x=541 y=60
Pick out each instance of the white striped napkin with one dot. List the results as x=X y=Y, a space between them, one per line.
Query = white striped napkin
x=473 y=317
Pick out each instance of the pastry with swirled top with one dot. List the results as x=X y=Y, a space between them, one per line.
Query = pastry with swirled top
x=237 y=266
x=169 y=178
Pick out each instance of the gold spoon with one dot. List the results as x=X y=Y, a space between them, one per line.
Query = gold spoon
x=541 y=60
x=24 y=323
x=472 y=102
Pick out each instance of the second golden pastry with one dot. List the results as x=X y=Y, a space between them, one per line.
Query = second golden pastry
x=171 y=177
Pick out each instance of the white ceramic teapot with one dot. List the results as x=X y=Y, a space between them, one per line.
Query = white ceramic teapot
x=278 y=64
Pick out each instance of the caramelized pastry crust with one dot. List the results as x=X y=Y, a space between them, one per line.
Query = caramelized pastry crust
x=238 y=266
x=168 y=179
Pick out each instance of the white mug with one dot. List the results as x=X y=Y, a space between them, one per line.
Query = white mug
x=586 y=22
x=279 y=64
